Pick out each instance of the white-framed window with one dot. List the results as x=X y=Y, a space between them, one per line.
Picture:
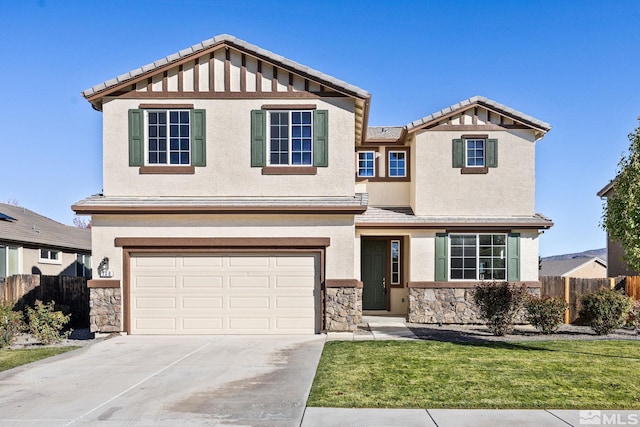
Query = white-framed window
x=9 y=261
x=395 y=262
x=83 y=265
x=475 y=149
x=50 y=256
x=168 y=137
x=396 y=164
x=290 y=138
x=478 y=257
x=366 y=163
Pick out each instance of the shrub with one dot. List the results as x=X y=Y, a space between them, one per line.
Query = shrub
x=605 y=310
x=11 y=324
x=546 y=314
x=498 y=304
x=46 y=324
x=633 y=317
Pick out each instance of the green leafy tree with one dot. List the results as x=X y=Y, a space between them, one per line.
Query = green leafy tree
x=621 y=217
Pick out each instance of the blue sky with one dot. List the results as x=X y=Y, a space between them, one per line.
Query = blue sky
x=574 y=64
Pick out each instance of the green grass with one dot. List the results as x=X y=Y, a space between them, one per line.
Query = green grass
x=431 y=374
x=12 y=358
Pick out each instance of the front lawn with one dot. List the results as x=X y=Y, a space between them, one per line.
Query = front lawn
x=13 y=358
x=432 y=374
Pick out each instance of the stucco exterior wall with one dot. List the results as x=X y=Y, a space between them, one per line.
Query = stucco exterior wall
x=31 y=263
x=590 y=271
x=386 y=193
x=507 y=190
x=228 y=171
x=339 y=259
x=529 y=250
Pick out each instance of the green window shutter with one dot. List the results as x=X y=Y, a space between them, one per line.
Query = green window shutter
x=513 y=257
x=492 y=153
x=458 y=153
x=136 y=137
x=198 y=140
x=321 y=138
x=442 y=257
x=258 y=138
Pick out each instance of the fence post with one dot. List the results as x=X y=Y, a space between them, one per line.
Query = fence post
x=612 y=282
x=567 y=299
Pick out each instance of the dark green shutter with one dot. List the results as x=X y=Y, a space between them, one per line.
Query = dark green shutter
x=198 y=140
x=442 y=257
x=258 y=138
x=136 y=137
x=321 y=138
x=513 y=257
x=492 y=153
x=458 y=153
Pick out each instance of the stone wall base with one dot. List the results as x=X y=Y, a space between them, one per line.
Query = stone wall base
x=105 y=311
x=448 y=305
x=343 y=308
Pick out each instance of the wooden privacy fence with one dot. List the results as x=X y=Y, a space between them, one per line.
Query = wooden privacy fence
x=69 y=292
x=570 y=289
x=632 y=287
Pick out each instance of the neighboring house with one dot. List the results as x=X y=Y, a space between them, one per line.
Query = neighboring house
x=245 y=193
x=585 y=268
x=616 y=265
x=34 y=244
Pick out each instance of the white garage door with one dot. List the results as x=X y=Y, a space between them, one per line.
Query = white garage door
x=223 y=294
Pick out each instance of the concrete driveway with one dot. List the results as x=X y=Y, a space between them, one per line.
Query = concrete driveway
x=166 y=381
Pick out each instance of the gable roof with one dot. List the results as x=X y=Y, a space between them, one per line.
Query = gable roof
x=565 y=267
x=516 y=116
x=28 y=227
x=214 y=43
x=606 y=189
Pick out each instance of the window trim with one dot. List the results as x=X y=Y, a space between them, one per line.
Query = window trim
x=398 y=262
x=477 y=256
x=289 y=142
x=389 y=153
x=374 y=166
x=48 y=259
x=466 y=153
x=145 y=169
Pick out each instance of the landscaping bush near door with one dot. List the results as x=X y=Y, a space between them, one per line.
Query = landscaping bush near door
x=605 y=310
x=498 y=304
x=546 y=314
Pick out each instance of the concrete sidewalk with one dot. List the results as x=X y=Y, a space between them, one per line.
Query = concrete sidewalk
x=376 y=328
x=330 y=417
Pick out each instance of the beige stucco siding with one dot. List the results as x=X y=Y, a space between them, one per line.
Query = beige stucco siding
x=339 y=228
x=386 y=193
x=228 y=171
x=440 y=189
x=31 y=263
x=592 y=270
x=528 y=255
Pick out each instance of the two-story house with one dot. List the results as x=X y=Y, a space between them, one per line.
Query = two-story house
x=244 y=193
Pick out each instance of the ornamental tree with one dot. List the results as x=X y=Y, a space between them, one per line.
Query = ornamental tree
x=621 y=216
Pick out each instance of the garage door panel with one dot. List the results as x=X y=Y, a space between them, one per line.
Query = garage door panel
x=223 y=294
x=202 y=302
x=155 y=302
x=249 y=302
x=155 y=262
x=248 y=261
x=203 y=324
x=249 y=282
x=202 y=261
x=202 y=281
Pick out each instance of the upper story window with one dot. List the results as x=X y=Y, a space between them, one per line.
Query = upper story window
x=366 y=163
x=165 y=138
x=50 y=256
x=168 y=137
x=478 y=257
x=291 y=138
x=397 y=164
x=475 y=149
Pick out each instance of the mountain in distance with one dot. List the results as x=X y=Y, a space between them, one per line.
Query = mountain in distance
x=600 y=253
